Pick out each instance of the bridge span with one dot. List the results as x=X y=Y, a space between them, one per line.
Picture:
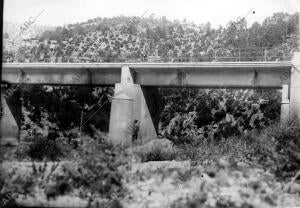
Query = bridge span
x=136 y=87
x=201 y=74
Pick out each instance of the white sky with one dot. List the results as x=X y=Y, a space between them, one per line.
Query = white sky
x=217 y=12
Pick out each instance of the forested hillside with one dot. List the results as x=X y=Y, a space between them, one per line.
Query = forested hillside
x=150 y=39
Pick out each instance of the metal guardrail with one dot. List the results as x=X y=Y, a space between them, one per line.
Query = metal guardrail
x=256 y=54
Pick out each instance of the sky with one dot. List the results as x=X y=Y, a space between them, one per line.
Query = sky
x=217 y=12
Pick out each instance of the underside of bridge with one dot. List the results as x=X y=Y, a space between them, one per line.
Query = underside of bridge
x=135 y=98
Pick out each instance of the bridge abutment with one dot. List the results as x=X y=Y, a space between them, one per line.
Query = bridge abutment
x=10 y=121
x=131 y=103
x=295 y=88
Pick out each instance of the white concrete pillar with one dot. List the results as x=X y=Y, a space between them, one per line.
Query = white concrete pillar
x=9 y=127
x=295 y=88
x=129 y=104
x=295 y=80
x=121 y=119
x=122 y=109
x=285 y=104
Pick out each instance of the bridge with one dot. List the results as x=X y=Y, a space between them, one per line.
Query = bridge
x=136 y=85
x=201 y=74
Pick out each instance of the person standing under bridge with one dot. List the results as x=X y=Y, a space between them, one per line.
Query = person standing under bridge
x=135 y=131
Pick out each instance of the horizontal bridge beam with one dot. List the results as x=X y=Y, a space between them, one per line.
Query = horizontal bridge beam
x=201 y=74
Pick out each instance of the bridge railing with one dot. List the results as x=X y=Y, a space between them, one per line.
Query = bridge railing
x=210 y=55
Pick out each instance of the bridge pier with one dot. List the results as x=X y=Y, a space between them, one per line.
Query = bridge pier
x=10 y=120
x=295 y=88
x=285 y=104
x=132 y=102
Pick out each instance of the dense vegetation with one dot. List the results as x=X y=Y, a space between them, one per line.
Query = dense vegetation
x=92 y=175
x=138 y=39
x=191 y=115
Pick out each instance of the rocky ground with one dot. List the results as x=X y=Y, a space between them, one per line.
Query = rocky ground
x=218 y=180
x=179 y=184
x=182 y=184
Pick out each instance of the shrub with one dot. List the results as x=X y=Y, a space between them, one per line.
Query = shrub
x=157 y=155
x=155 y=150
x=276 y=148
x=22 y=151
x=97 y=169
x=42 y=148
x=93 y=175
x=206 y=152
x=190 y=115
x=287 y=138
x=62 y=105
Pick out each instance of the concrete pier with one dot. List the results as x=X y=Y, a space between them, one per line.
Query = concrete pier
x=285 y=104
x=132 y=102
x=295 y=80
x=10 y=121
x=295 y=88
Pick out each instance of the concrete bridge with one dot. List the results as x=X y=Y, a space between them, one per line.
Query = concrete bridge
x=136 y=85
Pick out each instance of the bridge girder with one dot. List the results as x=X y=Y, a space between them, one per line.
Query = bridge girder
x=202 y=74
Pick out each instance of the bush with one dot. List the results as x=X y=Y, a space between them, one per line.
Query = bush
x=276 y=147
x=155 y=150
x=206 y=152
x=157 y=155
x=63 y=105
x=287 y=139
x=22 y=151
x=94 y=175
x=190 y=115
x=97 y=169
x=42 y=147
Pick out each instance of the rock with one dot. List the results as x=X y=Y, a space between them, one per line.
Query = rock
x=223 y=163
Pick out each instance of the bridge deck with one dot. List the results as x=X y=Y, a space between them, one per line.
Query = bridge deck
x=200 y=74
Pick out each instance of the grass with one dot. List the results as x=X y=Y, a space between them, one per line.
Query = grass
x=276 y=147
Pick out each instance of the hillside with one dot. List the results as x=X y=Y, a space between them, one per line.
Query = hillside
x=149 y=39
x=12 y=31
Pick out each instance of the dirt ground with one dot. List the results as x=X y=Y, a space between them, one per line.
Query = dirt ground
x=180 y=184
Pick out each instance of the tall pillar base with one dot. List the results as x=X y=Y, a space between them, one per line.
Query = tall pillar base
x=132 y=102
x=295 y=88
x=10 y=119
x=121 y=116
x=285 y=105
